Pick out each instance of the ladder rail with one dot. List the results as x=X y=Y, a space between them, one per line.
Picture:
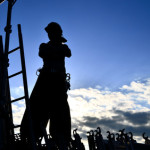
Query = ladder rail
x=23 y=65
x=26 y=87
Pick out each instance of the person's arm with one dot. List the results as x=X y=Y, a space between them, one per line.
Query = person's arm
x=42 y=50
x=67 y=51
x=46 y=51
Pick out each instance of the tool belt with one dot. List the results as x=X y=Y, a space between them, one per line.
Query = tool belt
x=67 y=76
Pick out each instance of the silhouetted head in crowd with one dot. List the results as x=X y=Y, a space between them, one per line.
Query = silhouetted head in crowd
x=55 y=32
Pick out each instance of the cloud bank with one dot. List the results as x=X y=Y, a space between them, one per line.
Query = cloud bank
x=128 y=107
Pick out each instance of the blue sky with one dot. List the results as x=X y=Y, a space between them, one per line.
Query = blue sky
x=109 y=39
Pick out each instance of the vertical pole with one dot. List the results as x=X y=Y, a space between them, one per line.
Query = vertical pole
x=8 y=27
x=2 y=120
x=5 y=93
x=1 y=65
x=5 y=56
x=26 y=87
x=8 y=31
x=6 y=124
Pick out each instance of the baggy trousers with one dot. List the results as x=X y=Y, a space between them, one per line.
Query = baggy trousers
x=48 y=100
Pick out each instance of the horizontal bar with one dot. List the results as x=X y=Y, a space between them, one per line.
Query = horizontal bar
x=14 y=50
x=17 y=126
x=15 y=74
x=17 y=99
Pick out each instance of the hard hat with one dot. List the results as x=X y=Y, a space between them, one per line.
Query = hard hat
x=54 y=28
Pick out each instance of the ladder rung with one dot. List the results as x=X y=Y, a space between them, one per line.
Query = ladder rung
x=14 y=50
x=17 y=126
x=17 y=99
x=15 y=74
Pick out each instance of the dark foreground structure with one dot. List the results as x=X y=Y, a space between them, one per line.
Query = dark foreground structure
x=115 y=141
x=118 y=141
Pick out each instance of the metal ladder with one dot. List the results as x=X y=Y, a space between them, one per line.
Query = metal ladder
x=23 y=72
x=8 y=101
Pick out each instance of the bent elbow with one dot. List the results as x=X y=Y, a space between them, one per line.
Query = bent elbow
x=69 y=54
x=40 y=53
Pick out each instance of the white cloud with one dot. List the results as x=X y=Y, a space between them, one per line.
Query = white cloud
x=18 y=112
x=17 y=91
x=98 y=87
x=99 y=103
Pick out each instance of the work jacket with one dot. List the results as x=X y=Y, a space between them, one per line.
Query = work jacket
x=53 y=55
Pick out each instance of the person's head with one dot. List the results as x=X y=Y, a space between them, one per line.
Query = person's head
x=55 y=32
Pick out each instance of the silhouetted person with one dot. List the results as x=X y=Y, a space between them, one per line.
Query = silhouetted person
x=49 y=96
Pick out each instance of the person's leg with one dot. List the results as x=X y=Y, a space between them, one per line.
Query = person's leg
x=60 y=124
